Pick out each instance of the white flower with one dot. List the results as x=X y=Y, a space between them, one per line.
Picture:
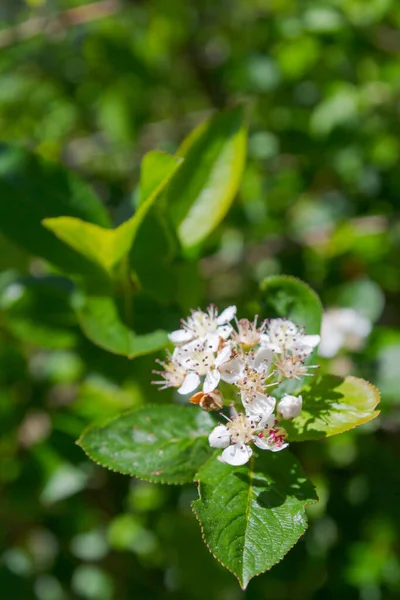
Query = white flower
x=242 y=430
x=204 y=325
x=291 y=366
x=260 y=407
x=290 y=407
x=238 y=367
x=271 y=437
x=283 y=335
x=199 y=357
x=176 y=376
x=342 y=327
x=248 y=334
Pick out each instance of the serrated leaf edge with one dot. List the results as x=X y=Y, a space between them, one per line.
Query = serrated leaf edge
x=243 y=584
x=106 y=422
x=376 y=413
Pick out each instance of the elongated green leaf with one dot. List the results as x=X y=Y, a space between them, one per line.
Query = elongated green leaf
x=158 y=443
x=32 y=189
x=333 y=405
x=99 y=319
x=108 y=246
x=202 y=191
x=251 y=516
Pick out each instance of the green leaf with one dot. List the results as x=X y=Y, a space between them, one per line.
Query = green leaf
x=99 y=319
x=251 y=516
x=163 y=443
x=32 y=189
x=286 y=296
x=107 y=247
x=202 y=191
x=332 y=405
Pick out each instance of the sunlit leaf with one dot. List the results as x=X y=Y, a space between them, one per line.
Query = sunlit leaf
x=202 y=191
x=333 y=405
x=108 y=246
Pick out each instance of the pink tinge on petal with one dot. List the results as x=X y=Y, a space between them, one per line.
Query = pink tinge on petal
x=278 y=449
x=192 y=381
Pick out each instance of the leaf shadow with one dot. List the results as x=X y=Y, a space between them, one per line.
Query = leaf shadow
x=317 y=402
x=277 y=477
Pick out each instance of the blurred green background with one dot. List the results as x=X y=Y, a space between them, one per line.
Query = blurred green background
x=94 y=86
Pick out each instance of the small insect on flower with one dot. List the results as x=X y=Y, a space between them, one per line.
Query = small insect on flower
x=208 y=402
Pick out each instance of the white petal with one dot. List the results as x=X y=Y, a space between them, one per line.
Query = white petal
x=265 y=342
x=226 y=315
x=223 y=356
x=211 y=341
x=263 y=445
x=219 y=437
x=231 y=370
x=192 y=381
x=224 y=331
x=331 y=342
x=261 y=407
x=263 y=357
x=278 y=448
x=180 y=336
x=290 y=407
x=211 y=381
x=311 y=340
x=237 y=454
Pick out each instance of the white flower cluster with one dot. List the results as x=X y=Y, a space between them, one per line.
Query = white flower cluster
x=252 y=358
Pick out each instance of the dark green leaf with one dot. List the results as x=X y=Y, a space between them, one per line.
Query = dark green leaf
x=31 y=190
x=285 y=296
x=158 y=443
x=251 y=516
x=101 y=322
